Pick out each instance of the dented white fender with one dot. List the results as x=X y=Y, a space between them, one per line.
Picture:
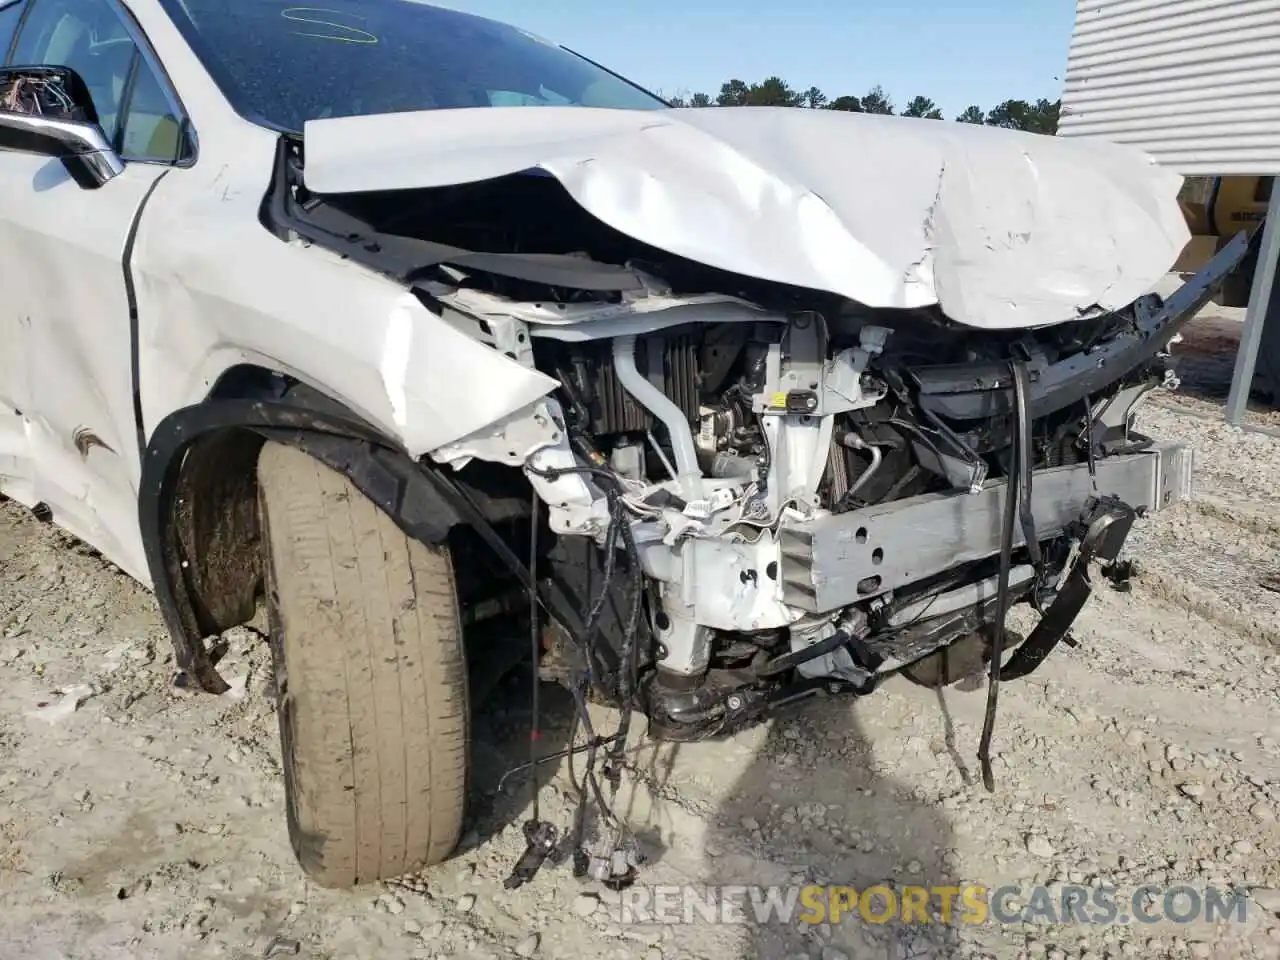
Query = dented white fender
x=1002 y=229
x=364 y=340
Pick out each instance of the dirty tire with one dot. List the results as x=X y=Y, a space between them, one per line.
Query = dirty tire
x=370 y=675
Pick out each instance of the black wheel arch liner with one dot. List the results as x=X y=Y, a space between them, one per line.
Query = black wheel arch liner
x=422 y=502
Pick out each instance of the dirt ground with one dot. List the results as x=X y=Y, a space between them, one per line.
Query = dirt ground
x=138 y=820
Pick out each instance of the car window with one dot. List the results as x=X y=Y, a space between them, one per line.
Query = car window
x=151 y=131
x=283 y=64
x=10 y=14
x=88 y=37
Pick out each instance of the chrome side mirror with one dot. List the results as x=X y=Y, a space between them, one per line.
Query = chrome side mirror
x=48 y=111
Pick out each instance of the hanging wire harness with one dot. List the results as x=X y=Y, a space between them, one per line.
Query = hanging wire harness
x=615 y=865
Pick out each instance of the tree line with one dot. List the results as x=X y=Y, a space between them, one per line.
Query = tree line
x=1040 y=116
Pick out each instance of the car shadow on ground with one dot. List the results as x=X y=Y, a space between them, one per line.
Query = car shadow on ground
x=816 y=790
x=815 y=795
x=812 y=807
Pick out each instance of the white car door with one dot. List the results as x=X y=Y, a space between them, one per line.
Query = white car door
x=63 y=250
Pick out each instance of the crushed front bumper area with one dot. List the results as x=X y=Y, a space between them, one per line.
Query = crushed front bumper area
x=834 y=561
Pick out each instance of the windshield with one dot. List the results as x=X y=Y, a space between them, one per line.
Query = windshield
x=283 y=64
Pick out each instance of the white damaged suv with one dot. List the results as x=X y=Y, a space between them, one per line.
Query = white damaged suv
x=310 y=308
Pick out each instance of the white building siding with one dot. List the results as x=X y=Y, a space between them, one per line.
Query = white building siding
x=1195 y=83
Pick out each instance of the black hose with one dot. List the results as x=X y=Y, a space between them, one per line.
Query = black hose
x=1022 y=427
x=535 y=648
x=1088 y=429
x=606 y=582
x=1019 y=457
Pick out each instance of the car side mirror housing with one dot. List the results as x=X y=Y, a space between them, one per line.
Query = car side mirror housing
x=48 y=111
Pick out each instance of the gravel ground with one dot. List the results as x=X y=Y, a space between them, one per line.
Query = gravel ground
x=147 y=822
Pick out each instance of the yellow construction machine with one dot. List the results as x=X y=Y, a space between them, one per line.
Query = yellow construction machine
x=1217 y=208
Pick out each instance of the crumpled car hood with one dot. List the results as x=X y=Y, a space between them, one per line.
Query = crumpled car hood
x=1001 y=229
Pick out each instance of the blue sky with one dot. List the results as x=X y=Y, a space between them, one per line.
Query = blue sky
x=958 y=53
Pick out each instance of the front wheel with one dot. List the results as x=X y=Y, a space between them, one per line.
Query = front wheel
x=370 y=674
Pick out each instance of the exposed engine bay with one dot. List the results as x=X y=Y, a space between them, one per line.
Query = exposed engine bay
x=707 y=441
x=758 y=493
